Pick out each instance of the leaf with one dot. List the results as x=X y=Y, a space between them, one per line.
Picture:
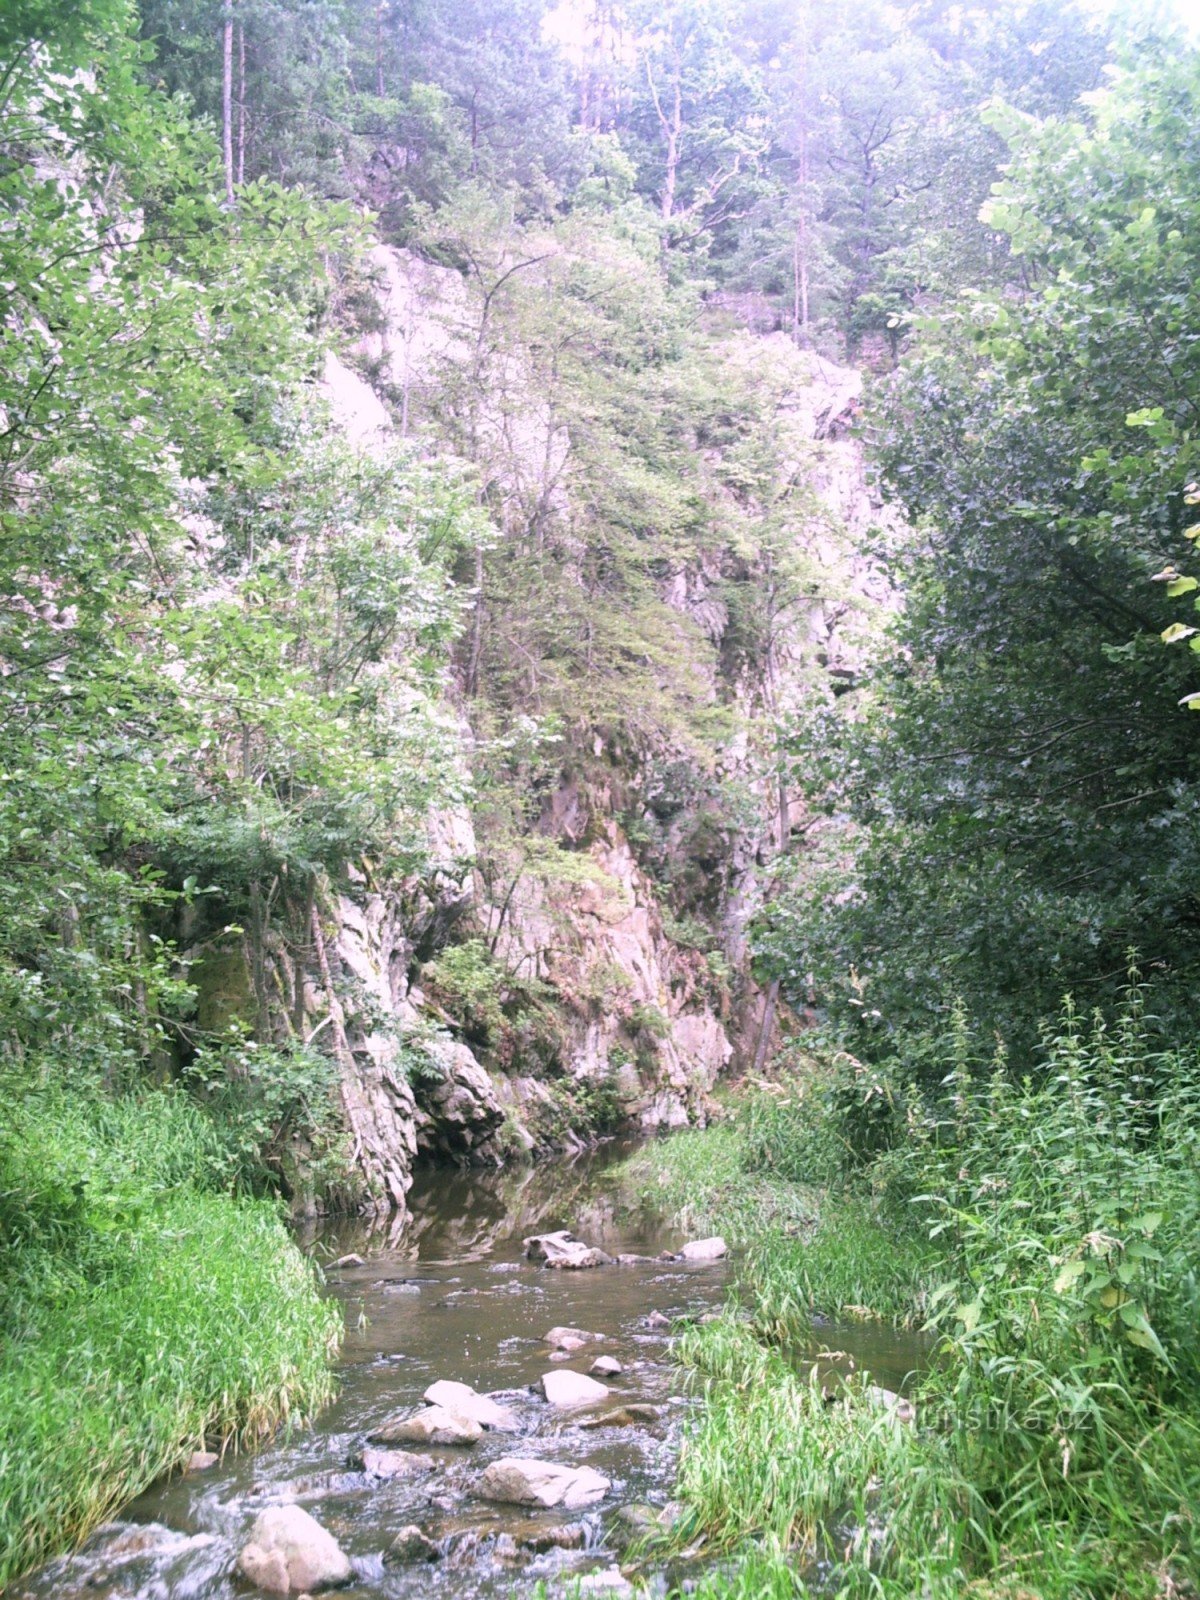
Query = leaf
x=969 y=1315
x=1069 y=1276
x=1178 y=586
x=1177 y=631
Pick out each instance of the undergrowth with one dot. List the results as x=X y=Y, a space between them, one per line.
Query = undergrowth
x=143 y=1312
x=1047 y=1232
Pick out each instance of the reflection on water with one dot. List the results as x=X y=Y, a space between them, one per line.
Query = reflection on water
x=451 y=1296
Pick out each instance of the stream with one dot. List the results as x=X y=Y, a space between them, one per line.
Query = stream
x=451 y=1296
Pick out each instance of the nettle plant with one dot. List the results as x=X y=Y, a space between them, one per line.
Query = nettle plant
x=1063 y=1205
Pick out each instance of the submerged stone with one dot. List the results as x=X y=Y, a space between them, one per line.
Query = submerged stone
x=411 y=1544
x=631 y=1416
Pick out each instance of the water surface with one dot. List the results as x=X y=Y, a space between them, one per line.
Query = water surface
x=451 y=1295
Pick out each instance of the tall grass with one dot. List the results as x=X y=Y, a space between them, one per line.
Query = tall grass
x=757 y=1178
x=1056 y=1452
x=143 y=1313
x=705 y=1182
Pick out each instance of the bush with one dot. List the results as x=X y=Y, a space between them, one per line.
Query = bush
x=278 y=1116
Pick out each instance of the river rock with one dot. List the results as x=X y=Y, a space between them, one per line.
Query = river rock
x=201 y=1460
x=566 y=1388
x=396 y=1463
x=505 y=1548
x=631 y=1416
x=570 y=1338
x=290 y=1552
x=463 y=1401
x=606 y=1367
x=434 y=1425
x=611 y=1581
x=524 y=1481
x=411 y=1544
x=564 y=1251
x=705 y=1250
x=566 y=1536
x=900 y=1409
x=350 y=1261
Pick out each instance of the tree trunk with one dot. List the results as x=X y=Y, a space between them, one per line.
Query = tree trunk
x=766 y=1027
x=472 y=683
x=227 y=101
x=241 y=133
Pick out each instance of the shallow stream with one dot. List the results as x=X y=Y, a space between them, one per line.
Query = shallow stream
x=451 y=1296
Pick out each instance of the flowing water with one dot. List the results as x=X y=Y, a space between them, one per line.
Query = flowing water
x=451 y=1295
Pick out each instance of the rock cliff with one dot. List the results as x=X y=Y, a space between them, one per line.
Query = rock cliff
x=627 y=930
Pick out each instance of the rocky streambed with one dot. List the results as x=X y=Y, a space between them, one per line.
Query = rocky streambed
x=500 y=1421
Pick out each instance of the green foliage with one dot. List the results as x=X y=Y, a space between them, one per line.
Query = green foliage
x=472 y=985
x=145 y=1314
x=1046 y=1229
x=1022 y=794
x=278 y=1115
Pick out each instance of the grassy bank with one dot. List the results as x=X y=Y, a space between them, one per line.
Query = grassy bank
x=1047 y=1232
x=145 y=1311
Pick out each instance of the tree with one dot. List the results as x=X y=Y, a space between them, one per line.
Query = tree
x=1025 y=790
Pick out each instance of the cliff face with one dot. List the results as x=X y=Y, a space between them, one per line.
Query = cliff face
x=623 y=923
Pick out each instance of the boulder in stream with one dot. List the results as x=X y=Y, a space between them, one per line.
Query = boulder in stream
x=411 y=1544
x=564 y=1251
x=434 y=1425
x=396 y=1463
x=705 y=1250
x=896 y=1406
x=570 y=1338
x=566 y=1388
x=606 y=1367
x=201 y=1460
x=463 y=1401
x=290 y=1552
x=524 y=1481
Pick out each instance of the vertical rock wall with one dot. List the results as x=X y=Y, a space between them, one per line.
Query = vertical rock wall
x=643 y=1020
